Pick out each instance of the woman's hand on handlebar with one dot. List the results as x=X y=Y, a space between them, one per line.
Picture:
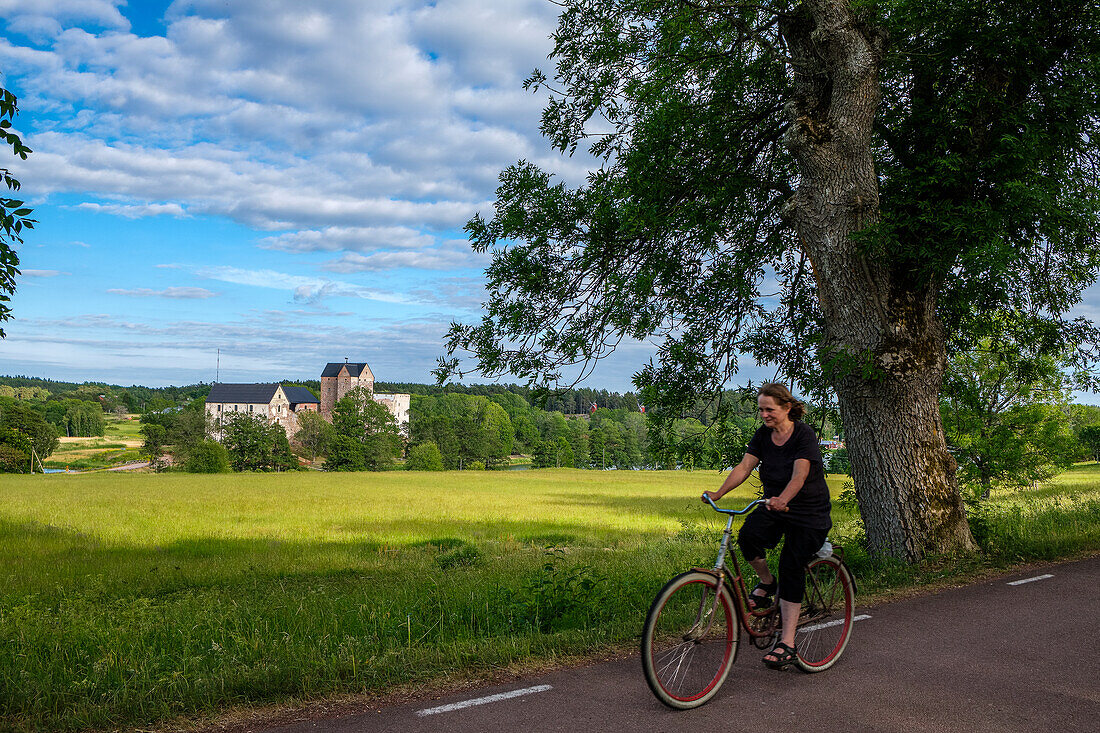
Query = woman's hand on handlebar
x=714 y=496
x=776 y=504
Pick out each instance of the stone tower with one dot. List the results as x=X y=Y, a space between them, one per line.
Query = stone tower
x=338 y=379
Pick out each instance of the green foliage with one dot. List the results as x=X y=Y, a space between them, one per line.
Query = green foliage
x=466 y=428
x=314 y=434
x=80 y=418
x=14 y=215
x=187 y=428
x=986 y=150
x=345 y=453
x=156 y=440
x=255 y=444
x=207 y=456
x=1006 y=419
x=557 y=594
x=12 y=459
x=424 y=457
x=23 y=429
x=1090 y=439
x=464 y=555
x=368 y=424
x=839 y=461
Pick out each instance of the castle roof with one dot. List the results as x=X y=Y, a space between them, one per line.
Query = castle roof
x=332 y=369
x=299 y=395
x=243 y=393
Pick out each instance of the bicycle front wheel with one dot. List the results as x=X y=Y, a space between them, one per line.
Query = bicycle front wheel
x=828 y=609
x=689 y=641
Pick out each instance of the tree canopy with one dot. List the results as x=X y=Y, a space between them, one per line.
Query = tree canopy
x=850 y=191
x=14 y=216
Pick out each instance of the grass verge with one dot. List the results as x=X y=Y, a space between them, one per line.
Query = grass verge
x=129 y=601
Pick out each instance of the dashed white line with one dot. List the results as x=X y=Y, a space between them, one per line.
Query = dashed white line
x=1031 y=580
x=838 y=622
x=483 y=700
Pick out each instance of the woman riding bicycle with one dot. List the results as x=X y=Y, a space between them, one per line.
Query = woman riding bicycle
x=798 y=509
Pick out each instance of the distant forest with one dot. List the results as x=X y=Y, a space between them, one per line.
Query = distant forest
x=136 y=398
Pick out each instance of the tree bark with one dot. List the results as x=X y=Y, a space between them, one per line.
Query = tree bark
x=884 y=346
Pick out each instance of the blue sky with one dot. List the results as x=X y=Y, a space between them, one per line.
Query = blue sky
x=284 y=181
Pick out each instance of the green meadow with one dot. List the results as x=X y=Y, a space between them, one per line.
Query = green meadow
x=132 y=600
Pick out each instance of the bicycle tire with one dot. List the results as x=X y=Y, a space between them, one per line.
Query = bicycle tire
x=689 y=643
x=828 y=612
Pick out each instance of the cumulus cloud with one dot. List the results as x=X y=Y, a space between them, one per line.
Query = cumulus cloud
x=183 y=293
x=286 y=115
x=43 y=18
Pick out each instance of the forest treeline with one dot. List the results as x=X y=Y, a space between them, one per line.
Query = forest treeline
x=492 y=426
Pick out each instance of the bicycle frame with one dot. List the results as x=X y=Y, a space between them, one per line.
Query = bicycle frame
x=735 y=581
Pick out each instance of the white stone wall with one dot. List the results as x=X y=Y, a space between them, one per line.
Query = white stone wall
x=398 y=405
x=278 y=410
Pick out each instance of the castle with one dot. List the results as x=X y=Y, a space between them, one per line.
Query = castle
x=282 y=403
x=338 y=379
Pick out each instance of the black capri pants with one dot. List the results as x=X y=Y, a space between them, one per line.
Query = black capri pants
x=762 y=531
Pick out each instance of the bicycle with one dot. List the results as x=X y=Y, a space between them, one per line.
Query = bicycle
x=691 y=634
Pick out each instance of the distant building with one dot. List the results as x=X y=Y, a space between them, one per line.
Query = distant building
x=280 y=403
x=338 y=379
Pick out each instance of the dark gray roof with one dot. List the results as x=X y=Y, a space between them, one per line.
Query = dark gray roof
x=299 y=395
x=250 y=393
x=333 y=369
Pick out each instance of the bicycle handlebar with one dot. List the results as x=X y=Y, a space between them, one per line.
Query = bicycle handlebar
x=745 y=510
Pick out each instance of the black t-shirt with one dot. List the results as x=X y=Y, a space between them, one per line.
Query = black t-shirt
x=810 y=507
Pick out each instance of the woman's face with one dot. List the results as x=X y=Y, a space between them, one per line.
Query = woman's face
x=771 y=412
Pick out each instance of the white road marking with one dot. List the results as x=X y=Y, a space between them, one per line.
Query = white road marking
x=1031 y=580
x=838 y=622
x=483 y=700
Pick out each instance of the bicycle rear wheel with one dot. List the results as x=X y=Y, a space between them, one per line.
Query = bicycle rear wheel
x=689 y=641
x=828 y=608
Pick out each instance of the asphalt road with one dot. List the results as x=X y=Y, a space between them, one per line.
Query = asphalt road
x=986 y=657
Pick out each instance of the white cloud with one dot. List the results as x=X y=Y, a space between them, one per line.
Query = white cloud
x=358 y=239
x=305 y=289
x=287 y=115
x=184 y=293
x=42 y=273
x=43 y=18
x=136 y=211
x=440 y=259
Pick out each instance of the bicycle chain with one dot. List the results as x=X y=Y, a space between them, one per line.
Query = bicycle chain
x=767 y=625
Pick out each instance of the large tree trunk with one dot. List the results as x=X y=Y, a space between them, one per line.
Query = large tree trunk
x=884 y=349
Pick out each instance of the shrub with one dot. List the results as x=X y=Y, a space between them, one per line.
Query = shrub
x=345 y=454
x=464 y=556
x=13 y=460
x=425 y=457
x=208 y=457
x=839 y=461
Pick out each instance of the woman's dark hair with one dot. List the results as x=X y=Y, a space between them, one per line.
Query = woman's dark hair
x=782 y=396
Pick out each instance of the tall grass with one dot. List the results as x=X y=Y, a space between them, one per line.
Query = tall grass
x=129 y=600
